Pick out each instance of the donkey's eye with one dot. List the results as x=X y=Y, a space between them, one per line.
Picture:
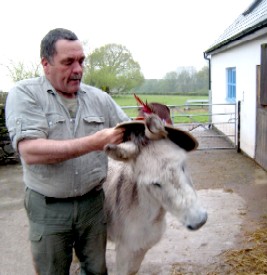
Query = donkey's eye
x=157 y=184
x=183 y=167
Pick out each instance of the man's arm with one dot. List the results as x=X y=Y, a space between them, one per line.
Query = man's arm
x=45 y=151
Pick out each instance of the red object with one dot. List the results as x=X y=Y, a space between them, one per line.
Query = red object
x=159 y=109
x=146 y=108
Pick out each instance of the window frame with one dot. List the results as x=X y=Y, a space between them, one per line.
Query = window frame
x=231 y=84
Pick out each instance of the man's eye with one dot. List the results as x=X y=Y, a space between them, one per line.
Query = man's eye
x=67 y=63
x=82 y=62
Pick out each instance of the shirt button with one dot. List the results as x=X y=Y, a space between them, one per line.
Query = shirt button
x=76 y=172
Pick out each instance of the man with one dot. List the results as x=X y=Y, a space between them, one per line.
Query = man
x=60 y=126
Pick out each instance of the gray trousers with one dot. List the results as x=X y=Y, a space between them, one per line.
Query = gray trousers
x=57 y=226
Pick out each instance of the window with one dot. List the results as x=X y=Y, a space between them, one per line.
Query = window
x=231 y=84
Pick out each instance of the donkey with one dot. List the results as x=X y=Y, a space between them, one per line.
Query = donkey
x=147 y=177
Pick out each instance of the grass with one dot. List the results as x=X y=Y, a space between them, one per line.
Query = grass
x=129 y=100
x=179 y=113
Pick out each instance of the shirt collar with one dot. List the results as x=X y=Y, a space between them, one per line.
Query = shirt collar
x=50 y=89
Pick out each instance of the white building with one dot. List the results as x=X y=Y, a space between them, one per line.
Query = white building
x=238 y=72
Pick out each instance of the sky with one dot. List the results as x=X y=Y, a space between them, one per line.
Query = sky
x=161 y=35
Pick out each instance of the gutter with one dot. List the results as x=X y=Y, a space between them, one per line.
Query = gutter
x=238 y=36
x=210 y=94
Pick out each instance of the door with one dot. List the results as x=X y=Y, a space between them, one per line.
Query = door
x=261 y=110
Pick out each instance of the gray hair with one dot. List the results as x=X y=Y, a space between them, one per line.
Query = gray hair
x=48 y=48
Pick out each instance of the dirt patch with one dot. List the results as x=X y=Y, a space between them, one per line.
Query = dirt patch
x=232 y=187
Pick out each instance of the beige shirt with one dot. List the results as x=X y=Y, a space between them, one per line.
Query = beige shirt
x=35 y=110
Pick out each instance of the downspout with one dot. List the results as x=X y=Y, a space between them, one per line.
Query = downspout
x=210 y=94
x=207 y=58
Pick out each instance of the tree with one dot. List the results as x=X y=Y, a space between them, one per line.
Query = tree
x=203 y=79
x=19 y=71
x=112 y=68
x=183 y=80
x=187 y=79
x=171 y=82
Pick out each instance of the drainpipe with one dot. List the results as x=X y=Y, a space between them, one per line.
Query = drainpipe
x=210 y=95
x=207 y=58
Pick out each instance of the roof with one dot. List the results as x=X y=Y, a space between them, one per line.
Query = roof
x=251 y=20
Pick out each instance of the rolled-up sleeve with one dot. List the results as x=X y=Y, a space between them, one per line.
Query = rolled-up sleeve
x=25 y=118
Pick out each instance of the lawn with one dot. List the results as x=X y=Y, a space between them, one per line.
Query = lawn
x=129 y=100
x=179 y=113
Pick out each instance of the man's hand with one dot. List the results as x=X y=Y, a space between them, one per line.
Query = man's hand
x=109 y=136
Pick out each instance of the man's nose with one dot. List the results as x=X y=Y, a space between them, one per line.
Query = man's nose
x=77 y=67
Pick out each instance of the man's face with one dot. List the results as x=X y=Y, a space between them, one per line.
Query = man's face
x=65 y=70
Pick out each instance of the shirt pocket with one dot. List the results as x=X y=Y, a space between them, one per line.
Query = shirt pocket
x=93 y=124
x=56 y=126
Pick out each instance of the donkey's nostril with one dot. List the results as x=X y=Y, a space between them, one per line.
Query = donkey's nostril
x=198 y=225
x=190 y=227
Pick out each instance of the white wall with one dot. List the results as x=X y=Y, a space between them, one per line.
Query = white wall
x=244 y=58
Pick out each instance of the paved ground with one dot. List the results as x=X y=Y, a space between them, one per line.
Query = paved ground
x=231 y=186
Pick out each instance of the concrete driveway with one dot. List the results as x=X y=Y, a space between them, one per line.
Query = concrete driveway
x=231 y=186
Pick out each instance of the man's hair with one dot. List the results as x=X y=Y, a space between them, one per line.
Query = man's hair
x=48 y=48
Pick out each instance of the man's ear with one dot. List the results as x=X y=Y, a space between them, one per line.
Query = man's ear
x=45 y=64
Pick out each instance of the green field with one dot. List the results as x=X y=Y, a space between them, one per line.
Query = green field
x=179 y=113
x=129 y=100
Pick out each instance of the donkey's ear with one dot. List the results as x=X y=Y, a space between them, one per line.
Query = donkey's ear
x=122 y=152
x=154 y=127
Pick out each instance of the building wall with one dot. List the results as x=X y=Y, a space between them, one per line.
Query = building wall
x=244 y=58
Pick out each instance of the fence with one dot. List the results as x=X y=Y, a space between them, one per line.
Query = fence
x=213 y=125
